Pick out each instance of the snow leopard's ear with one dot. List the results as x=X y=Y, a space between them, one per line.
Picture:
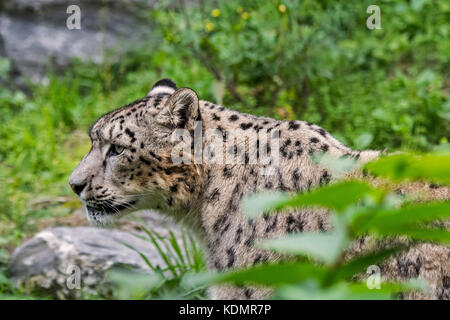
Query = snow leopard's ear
x=163 y=86
x=181 y=110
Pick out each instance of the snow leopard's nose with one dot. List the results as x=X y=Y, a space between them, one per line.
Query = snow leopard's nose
x=84 y=173
x=78 y=188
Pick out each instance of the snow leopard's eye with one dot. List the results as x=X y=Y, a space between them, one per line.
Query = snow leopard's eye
x=115 y=150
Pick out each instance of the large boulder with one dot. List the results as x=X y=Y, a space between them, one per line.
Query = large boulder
x=34 y=35
x=50 y=260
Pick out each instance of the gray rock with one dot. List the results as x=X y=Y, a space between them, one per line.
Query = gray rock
x=35 y=38
x=48 y=260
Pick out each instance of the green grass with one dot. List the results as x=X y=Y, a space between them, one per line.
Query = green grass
x=162 y=283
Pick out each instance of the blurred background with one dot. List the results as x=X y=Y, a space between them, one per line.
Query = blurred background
x=310 y=60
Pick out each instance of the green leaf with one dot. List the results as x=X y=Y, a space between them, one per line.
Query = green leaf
x=360 y=264
x=258 y=203
x=337 y=165
x=434 y=235
x=4 y=256
x=325 y=247
x=336 y=196
x=363 y=141
x=262 y=274
x=5 y=281
x=133 y=284
x=346 y=291
x=432 y=167
x=5 y=66
x=341 y=291
x=390 y=220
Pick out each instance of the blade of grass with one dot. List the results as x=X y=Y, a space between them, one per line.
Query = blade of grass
x=161 y=252
x=141 y=255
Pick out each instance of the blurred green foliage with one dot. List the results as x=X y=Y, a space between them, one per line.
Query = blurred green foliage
x=308 y=60
x=316 y=60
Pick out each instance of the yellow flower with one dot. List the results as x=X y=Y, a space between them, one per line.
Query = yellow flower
x=239 y=9
x=215 y=13
x=282 y=8
x=209 y=26
x=245 y=15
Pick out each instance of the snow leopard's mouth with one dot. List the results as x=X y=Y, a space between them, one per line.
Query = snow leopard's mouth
x=109 y=208
x=103 y=215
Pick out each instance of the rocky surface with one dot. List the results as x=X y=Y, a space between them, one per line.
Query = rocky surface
x=34 y=35
x=50 y=259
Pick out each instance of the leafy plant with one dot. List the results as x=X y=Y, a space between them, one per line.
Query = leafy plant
x=179 y=257
x=317 y=61
x=321 y=269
